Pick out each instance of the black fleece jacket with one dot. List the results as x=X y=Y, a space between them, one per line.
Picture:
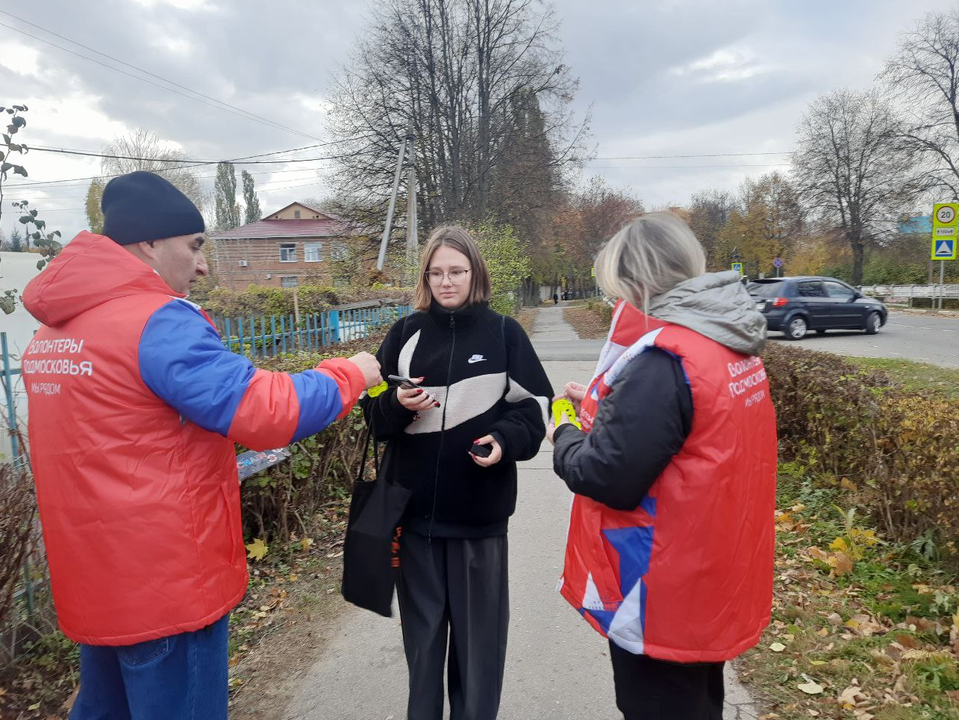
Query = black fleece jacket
x=488 y=380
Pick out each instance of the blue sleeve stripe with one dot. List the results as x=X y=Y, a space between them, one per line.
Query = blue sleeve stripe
x=320 y=402
x=183 y=361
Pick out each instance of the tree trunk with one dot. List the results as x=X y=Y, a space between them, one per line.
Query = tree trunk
x=857 y=247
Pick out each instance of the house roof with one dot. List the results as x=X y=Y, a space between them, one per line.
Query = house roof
x=324 y=227
x=327 y=225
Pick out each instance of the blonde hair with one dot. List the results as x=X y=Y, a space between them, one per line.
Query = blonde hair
x=462 y=241
x=649 y=256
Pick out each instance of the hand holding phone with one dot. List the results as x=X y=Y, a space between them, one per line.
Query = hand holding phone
x=411 y=395
x=403 y=382
x=486 y=451
x=481 y=450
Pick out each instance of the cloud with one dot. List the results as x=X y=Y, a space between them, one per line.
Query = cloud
x=673 y=77
x=726 y=65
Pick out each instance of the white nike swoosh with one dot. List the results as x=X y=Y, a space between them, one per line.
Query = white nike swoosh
x=476 y=360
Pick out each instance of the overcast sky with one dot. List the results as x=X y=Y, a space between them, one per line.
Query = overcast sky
x=664 y=77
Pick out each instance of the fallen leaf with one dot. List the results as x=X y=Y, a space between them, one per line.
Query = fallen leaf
x=778 y=647
x=257 y=549
x=35 y=706
x=843 y=563
x=305 y=544
x=834 y=619
x=811 y=688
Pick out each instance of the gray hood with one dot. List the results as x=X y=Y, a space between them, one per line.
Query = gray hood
x=716 y=305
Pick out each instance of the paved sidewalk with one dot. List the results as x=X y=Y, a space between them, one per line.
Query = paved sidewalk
x=558 y=668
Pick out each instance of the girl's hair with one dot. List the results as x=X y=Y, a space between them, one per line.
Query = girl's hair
x=461 y=240
x=649 y=256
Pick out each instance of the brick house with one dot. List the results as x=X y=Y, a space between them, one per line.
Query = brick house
x=287 y=248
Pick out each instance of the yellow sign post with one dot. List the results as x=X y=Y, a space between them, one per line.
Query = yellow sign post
x=943 y=243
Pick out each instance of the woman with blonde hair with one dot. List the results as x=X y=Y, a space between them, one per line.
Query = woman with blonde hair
x=670 y=546
x=477 y=405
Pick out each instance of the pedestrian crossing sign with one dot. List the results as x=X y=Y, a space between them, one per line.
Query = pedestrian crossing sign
x=944 y=241
x=737 y=266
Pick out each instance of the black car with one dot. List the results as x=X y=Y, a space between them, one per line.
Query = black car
x=794 y=305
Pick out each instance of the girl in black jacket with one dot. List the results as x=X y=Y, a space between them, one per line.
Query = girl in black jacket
x=479 y=382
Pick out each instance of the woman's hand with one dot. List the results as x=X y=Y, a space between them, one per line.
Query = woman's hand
x=416 y=399
x=552 y=427
x=575 y=393
x=495 y=455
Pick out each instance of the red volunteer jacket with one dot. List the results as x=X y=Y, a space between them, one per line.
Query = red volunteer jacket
x=135 y=405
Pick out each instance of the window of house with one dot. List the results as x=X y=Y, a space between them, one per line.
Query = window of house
x=288 y=252
x=313 y=252
x=296 y=214
x=289 y=281
x=339 y=251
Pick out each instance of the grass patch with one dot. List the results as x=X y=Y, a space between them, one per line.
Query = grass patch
x=861 y=628
x=526 y=318
x=590 y=319
x=913 y=376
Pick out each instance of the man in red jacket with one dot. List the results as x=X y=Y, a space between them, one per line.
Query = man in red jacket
x=135 y=405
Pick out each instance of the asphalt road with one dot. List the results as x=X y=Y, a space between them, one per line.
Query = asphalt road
x=906 y=336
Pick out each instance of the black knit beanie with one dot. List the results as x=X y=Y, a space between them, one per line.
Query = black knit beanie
x=142 y=206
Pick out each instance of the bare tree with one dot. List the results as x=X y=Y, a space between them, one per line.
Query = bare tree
x=850 y=168
x=144 y=150
x=922 y=79
x=458 y=71
x=709 y=212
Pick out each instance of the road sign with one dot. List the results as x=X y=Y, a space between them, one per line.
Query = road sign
x=943 y=244
x=593 y=272
x=778 y=262
x=737 y=266
x=944 y=250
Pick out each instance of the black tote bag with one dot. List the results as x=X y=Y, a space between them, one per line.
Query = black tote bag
x=368 y=552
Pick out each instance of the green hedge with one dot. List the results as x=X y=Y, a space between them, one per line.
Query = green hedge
x=895 y=452
x=321 y=468
x=259 y=300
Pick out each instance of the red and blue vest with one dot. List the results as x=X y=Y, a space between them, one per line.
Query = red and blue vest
x=135 y=405
x=688 y=575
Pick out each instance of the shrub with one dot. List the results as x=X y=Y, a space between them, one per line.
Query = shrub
x=894 y=451
x=321 y=468
x=260 y=300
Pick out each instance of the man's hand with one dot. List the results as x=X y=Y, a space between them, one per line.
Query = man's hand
x=369 y=367
x=495 y=455
x=416 y=399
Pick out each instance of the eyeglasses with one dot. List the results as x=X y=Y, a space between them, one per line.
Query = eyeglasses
x=435 y=277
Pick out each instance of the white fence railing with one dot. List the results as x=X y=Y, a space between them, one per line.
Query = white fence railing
x=910 y=291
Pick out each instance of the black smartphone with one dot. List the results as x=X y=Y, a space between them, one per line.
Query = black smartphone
x=403 y=382
x=481 y=450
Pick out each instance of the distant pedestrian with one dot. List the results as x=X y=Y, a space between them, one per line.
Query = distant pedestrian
x=556 y=298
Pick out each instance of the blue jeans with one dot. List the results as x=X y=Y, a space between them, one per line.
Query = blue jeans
x=180 y=677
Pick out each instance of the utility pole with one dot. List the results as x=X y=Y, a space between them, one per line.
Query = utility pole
x=407 y=140
x=411 y=267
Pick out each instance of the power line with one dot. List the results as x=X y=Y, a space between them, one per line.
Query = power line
x=702 y=155
x=237 y=161
x=189 y=161
x=680 y=167
x=83 y=191
x=226 y=107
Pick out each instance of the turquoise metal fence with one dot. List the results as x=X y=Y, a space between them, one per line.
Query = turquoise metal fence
x=270 y=335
